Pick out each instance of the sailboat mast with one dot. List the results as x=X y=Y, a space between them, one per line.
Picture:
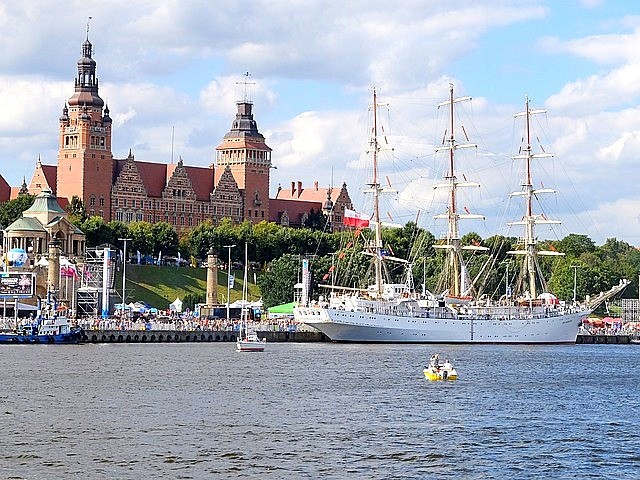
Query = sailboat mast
x=243 y=315
x=455 y=288
x=530 y=277
x=376 y=198
x=528 y=186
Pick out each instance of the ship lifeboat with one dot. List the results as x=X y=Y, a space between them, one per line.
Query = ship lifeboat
x=457 y=300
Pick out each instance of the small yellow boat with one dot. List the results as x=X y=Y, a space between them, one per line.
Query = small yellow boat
x=437 y=371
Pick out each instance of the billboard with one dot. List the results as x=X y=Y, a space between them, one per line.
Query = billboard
x=17 y=285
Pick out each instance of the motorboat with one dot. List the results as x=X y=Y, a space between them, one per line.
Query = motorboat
x=440 y=371
x=56 y=329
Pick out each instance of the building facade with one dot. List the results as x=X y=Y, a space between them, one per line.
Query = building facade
x=129 y=190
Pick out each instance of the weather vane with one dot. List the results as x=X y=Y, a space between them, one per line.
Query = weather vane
x=245 y=87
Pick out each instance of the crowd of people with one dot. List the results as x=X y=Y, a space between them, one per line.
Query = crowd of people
x=178 y=323
x=614 y=328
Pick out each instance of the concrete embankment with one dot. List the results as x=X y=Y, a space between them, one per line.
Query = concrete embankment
x=192 y=336
x=175 y=336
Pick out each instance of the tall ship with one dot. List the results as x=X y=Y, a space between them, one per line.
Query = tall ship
x=387 y=312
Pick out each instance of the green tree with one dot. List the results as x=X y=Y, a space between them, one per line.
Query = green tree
x=118 y=230
x=200 y=239
x=267 y=246
x=575 y=245
x=315 y=220
x=165 y=238
x=96 y=231
x=12 y=210
x=77 y=211
x=278 y=282
x=141 y=235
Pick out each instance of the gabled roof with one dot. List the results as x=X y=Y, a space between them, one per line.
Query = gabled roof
x=44 y=176
x=201 y=179
x=64 y=221
x=51 y=174
x=28 y=224
x=5 y=190
x=153 y=175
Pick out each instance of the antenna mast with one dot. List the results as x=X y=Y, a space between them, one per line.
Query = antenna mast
x=246 y=97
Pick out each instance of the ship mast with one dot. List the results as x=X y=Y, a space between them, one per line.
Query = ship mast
x=455 y=265
x=530 y=219
x=375 y=187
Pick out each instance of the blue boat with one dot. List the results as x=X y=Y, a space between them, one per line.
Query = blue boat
x=47 y=328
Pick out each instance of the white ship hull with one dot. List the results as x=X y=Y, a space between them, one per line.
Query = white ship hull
x=347 y=326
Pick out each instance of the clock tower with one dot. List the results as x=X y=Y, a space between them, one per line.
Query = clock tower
x=85 y=161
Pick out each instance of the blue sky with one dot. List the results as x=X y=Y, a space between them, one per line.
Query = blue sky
x=175 y=66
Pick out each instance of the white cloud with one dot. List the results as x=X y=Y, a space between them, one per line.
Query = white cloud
x=170 y=73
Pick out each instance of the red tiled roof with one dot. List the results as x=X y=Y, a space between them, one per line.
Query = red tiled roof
x=5 y=190
x=153 y=175
x=63 y=202
x=201 y=180
x=311 y=194
x=51 y=175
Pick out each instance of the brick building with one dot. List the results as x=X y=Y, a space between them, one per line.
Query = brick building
x=130 y=190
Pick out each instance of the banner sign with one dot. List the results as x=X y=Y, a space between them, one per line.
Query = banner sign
x=17 y=285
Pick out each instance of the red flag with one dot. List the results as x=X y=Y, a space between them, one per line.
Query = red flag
x=355 y=219
x=325 y=276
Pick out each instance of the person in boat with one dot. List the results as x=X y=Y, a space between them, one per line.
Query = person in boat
x=435 y=361
x=447 y=364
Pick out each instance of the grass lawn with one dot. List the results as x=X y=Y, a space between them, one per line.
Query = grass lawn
x=159 y=286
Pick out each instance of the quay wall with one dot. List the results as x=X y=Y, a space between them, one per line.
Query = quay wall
x=611 y=339
x=192 y=336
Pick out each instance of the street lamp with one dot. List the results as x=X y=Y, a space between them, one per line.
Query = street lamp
x=124 y=270
x=229 y=247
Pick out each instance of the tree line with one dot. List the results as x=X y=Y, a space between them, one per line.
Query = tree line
x=585 y=269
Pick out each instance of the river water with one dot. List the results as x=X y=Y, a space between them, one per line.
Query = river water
x=318 y=410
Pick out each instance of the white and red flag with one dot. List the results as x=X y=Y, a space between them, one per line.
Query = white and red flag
x=355 y=219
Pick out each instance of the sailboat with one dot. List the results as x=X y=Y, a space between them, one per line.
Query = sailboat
x=247 y=342
x=394 y=313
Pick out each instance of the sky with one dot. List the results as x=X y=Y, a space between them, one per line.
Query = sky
x=171 y=72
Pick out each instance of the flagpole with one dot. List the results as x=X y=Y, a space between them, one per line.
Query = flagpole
x=229 y=247
x=124 y=269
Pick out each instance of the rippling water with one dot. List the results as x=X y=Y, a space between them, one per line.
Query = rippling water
x=318 y=411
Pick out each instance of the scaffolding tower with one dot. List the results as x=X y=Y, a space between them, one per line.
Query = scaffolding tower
x=630 y=309
x=92 y=275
